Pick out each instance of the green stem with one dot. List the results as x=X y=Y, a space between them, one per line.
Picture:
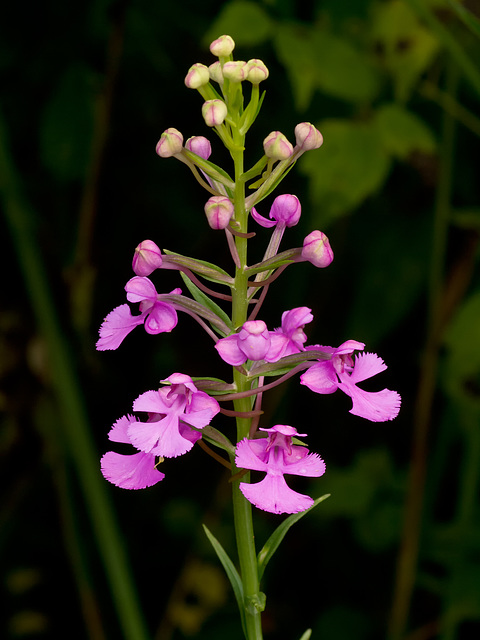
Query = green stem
x=241 y=507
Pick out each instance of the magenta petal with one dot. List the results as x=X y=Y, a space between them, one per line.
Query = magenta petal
x=250 y=454
x=263 y=222
x=140 y=288
x=201 y=410
x=295 y=318
x=279 y=344
x=349 y=346
x=229 y=350
x=162 y=438
x=366 y=366
x=119 y=431
x=376 y=406
x=135 y=471
x=274 y=495
x=152 y=402
x=161 y=319
x=116 y=326
x=320 y=378
x=302 y=463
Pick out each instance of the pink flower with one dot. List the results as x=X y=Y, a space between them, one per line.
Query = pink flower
x=173 y=411
x=255 y=342
x=156 y=316
x=135 y=471
x=277 y=456
x=252 y=342
x=290 y=334
x=342 y=372
x=285 y=211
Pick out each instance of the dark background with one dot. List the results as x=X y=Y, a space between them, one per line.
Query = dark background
x=87 y=89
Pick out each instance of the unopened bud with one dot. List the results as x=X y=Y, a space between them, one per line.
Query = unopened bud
x=147 y=258
x=214 y=112
x=222 y=46
x=197 y=76
x=235 y=70
x=215 y=71
x=287 y=209
x=257 y=71
x=170 y=143
x=199 y=145
x=277 y=147
x=307 y=136
x=219 y=211
x=317 y=250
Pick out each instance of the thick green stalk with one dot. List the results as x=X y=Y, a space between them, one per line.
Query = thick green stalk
x=241 y=507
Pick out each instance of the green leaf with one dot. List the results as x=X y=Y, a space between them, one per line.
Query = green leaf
x=306 y=635
x=352 y=165
x=231 y=572
x=403 y=132
x=202 y=298
x=247 y=22
x=317 y=59
x=406 y=49
x=466 y=16
x=277 y=536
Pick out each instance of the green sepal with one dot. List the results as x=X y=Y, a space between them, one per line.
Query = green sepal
x=207 y=270
x=277 y=536
x=215 y=437
x=214 y=171
x=231 y=572
x=203 y=299
x=214 y=386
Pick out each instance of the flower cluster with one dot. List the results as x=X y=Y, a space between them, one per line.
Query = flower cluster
x=180 y=412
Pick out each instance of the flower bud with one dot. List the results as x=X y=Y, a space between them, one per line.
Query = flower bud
x=215 y=71
x=199 y=145
x=254 y=339
x=147 y=258
x=286 y=209
x=170 y=143
x=219 y=210
x=222 y=46
x=197 y=76
x=307 y=136
x=277 y=147
x=235 y=70
x=257 y=71
x=317 y=250
x=214 y=112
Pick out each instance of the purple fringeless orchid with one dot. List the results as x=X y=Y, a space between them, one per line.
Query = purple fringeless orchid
x=176 y=413
x=277 y=456
x=343 y=372
x=156 y=316
x=255 y=342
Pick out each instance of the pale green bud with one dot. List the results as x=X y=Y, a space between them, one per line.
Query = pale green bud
x=222 y=46
x=214 y=112
x=277 y=147
x=235 y=70
x=257 y=71
x=197 y=76
x=170 y=143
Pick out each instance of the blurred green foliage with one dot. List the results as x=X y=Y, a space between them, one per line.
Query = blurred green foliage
x=87 y=89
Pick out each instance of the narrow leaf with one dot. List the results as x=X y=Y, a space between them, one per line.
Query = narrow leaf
x=277 y=536
x=203 y=299
x=231 y=572
x=306 y=635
